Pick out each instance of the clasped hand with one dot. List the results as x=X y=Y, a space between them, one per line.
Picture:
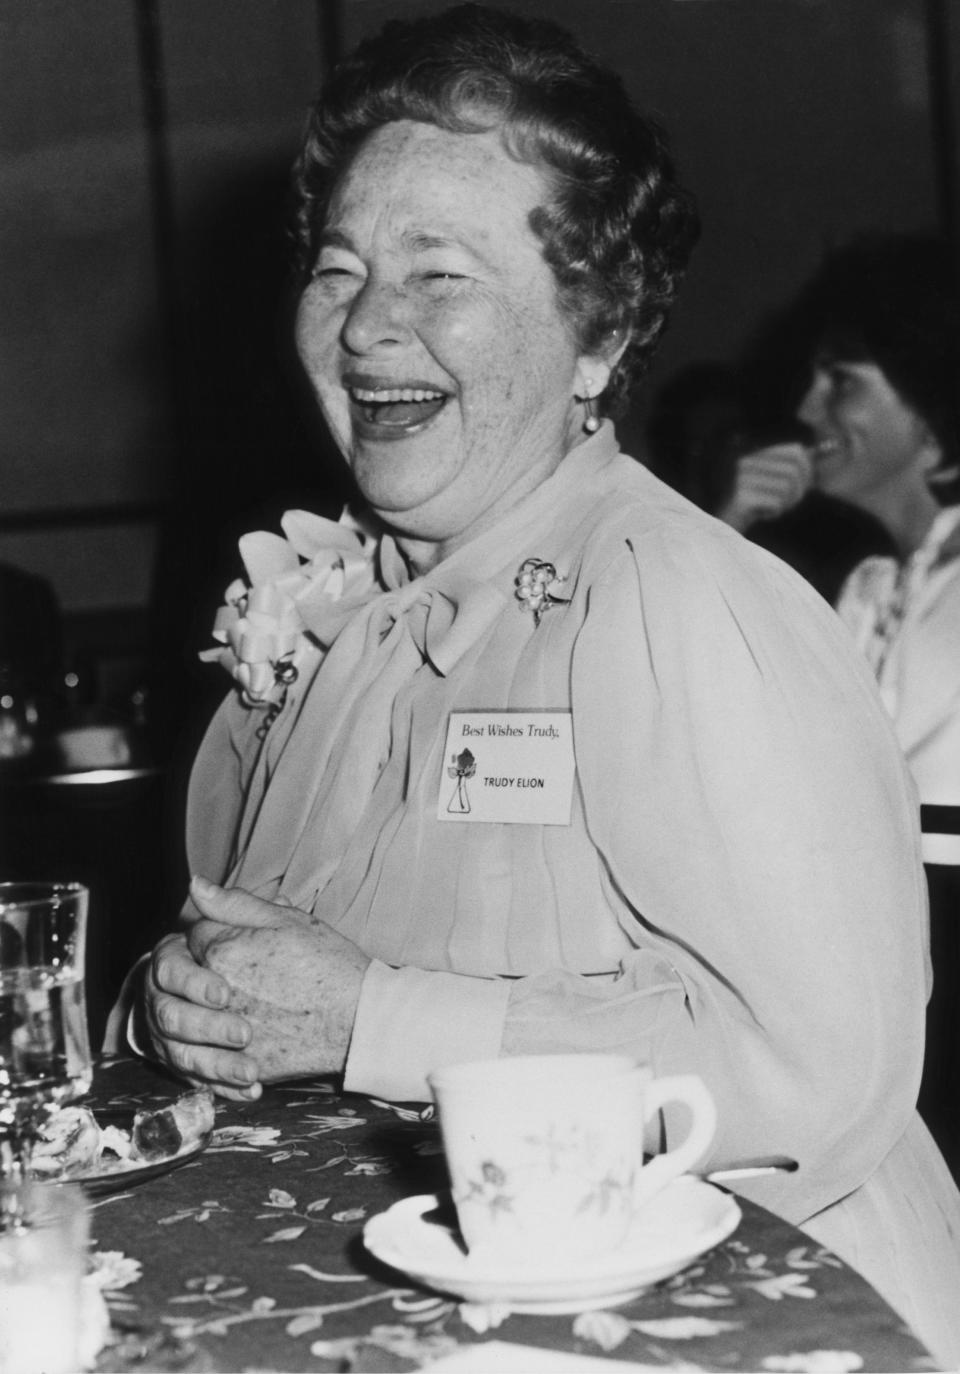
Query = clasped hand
x=250 y=993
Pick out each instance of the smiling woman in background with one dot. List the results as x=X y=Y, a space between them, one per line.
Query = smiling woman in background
x=882 y=408
x=532 y=755
x=877 y=330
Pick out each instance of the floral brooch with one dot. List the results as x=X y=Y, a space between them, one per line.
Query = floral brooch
x=535 y=584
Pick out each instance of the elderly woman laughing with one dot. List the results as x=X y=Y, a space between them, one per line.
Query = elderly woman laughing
x=531 y=755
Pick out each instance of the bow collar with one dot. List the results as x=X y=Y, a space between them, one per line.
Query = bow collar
x=446 y=610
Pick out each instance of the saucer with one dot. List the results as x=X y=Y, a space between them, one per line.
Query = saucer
x=684 y=1220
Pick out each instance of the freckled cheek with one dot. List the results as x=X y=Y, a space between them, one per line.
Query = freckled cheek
x=316 y=334
x=489 y=380
x=457 y=332
x=318 y=349
x=515 y=375
x=304 y=328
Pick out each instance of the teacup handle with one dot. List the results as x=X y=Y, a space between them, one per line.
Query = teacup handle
x=690 y=1089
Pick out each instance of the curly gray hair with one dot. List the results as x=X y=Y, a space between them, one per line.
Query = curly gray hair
x=618 y=229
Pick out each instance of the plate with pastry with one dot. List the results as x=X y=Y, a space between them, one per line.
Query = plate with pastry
x=112 y=1151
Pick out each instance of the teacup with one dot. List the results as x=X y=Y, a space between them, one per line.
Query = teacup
x=545 y=1152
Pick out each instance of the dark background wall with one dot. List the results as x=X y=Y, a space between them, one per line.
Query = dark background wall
x=150 y=407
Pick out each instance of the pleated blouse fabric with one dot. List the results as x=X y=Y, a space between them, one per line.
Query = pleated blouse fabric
x=738 y=894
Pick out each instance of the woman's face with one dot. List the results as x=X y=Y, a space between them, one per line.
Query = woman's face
x=432 y=334
x=866 y=438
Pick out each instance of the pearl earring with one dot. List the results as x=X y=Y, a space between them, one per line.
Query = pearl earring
x=591 y=421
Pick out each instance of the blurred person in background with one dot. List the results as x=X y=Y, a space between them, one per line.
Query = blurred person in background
x=877 y=331
x=727 y=437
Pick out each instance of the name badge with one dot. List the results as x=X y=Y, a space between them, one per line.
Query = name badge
x=510 y=766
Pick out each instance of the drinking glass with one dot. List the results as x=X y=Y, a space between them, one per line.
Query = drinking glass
x=44 y=1042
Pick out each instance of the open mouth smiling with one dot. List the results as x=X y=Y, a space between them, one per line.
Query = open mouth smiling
x=380 y=411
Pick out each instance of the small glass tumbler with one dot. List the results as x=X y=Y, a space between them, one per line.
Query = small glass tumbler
x=44 y=1041
x=42 y=1267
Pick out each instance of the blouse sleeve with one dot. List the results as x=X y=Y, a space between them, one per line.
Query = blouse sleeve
x=219 y=794
x=745 y=790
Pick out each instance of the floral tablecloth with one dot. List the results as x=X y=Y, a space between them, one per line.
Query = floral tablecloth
x=250 y=1257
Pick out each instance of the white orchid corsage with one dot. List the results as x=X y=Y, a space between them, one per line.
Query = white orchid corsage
x=298 y=588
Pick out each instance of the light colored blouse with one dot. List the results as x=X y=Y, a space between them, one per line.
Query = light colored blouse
x=905 y=618
x=738 y=894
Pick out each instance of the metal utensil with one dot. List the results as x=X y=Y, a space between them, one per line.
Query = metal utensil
x=754 y=1168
